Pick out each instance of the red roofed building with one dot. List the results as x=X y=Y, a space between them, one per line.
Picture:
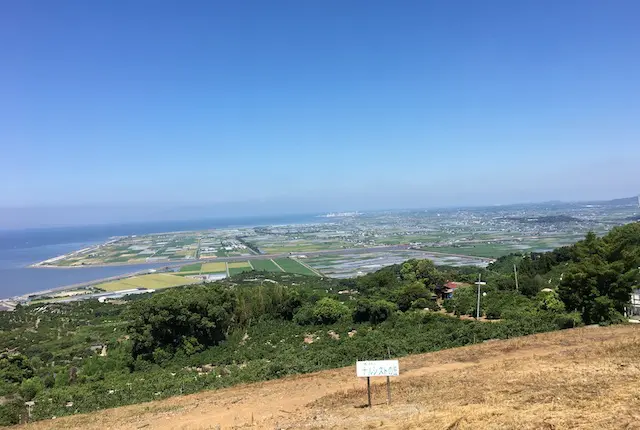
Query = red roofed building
x=448 y=289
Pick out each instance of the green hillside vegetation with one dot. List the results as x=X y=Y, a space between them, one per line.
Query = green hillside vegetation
x=78 y=357
x=593 y=277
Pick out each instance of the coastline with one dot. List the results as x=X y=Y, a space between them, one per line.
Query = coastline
x=24 y=250
x=83 y=284
x=42 y=264
x=172 y=264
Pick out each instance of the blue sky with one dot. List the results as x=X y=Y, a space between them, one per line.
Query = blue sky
x=317 y=104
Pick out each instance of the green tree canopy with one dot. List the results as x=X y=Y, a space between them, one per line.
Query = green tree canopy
x=374 y=312
x=329 y=311
x=173 y=321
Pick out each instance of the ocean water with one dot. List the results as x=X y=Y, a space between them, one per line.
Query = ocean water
x=21 y=248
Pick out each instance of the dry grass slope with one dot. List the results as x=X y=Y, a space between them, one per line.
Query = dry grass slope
x=587 y=378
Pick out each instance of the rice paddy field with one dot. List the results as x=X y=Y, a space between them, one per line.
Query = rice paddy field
x=216 y=267
x=153 y=281
x=239 y=265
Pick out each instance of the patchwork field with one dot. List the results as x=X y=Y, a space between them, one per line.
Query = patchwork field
x=278 y=265
x=152 y=281
x=214 y=267
x=195 y=267
x=292 y=266
x=266 y=265
x=239 y=265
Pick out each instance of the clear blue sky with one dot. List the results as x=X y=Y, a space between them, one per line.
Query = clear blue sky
x=317 y=104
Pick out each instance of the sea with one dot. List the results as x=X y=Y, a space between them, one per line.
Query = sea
x=21 y=248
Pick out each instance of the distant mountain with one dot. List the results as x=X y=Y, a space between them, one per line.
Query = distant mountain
x=627 y=201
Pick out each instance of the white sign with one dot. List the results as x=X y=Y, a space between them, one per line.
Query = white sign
x=365 y=369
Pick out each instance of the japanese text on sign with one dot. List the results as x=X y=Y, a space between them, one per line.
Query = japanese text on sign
x=365 y=369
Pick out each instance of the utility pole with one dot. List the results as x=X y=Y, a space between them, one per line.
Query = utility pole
x=479 y=284
x=478 y=307
x=515 y=272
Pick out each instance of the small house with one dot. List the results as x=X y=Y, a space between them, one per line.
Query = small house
x=447 y=290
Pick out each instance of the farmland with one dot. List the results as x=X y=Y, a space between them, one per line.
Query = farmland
x=266 y=265
x=260 y=326
x=480 y=232
x=191 y=267
x=151 y=281
x=453 y=237
x=239 y=267
x=153 y=248
x=292 y=266
x=278 y=265
x=216 y=267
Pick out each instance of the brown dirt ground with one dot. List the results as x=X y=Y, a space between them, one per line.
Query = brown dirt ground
x=587 y=378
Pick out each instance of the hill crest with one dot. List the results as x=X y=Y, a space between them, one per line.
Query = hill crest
x=578 y=378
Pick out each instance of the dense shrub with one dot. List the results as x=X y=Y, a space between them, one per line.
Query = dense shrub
x=174 y=321
x=329 y=311
x=10 y=412
x=14 y=368
x=374 y=312
x=30 y=388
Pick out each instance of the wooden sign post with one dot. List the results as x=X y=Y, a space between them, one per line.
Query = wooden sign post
x=367 y=369
x=388 y=391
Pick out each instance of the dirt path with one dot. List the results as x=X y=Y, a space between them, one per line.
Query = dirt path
x=301 y=401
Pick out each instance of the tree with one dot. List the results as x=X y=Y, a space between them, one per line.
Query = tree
x=550 y=301
x=374 y=312
x=595 y=288
x=31 y=387
x=410 y=293
x=424 y=271
x=530 y=286
x=180 y=320
x=329 y=311
x=14 y=368
x=304 y=315
x=464 y=301
x=380 y=282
